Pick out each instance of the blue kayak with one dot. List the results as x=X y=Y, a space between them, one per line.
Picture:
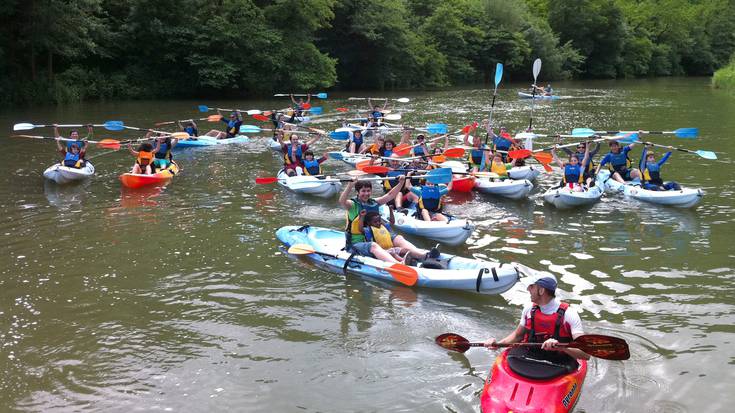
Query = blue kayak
x=524 y=95
x=210 y=141
x=446 y=272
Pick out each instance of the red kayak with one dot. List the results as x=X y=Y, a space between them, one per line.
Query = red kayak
x=521 y=382
x=130 y=180
x=463 y=183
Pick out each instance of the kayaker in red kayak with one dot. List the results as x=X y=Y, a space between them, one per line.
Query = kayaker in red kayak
x=546 y=320
x=144 y=156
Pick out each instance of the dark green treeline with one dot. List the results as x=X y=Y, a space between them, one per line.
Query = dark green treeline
x=70 y=50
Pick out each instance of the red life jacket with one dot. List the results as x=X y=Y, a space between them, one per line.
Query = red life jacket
x=541 y=327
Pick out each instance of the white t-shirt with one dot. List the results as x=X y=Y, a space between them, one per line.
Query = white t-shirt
x=571 y=318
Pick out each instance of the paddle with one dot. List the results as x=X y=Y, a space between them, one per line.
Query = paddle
x=203 y=108
x=400 y=272
x=536 y=71
x=596 y=345
x=113 y=144
x=321 y=95
x=256 y=129
x=111 y=125
x=702 y=153
x=402 y=100
x=210 y=118
x=687 y=133
x=314 y=110
x=498 y=77
x=264 y=180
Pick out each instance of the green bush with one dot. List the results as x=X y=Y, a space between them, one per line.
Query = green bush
x=725 y=77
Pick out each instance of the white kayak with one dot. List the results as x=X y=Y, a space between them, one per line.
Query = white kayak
x=309 y=185
x=63 y=174
x=682 y=198
x=452 y=232
x=524 y=172
x=565 y=198
x=507 y=188
x=448 y=272
x=353 y=158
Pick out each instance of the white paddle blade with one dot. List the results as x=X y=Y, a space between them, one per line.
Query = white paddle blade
x=23 y=126
x=536 y=69
x=255 y=112
x=403 y=100
x=393 y=116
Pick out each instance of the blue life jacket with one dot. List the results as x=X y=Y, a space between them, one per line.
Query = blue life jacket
x=619 y=161
x=312 y=167
x=289 y=153
x=192 y=131
x=72 y=160
x=376 y=114
x=430 y=198
x=573 y=173
x=164 y=152
x=653 y=174
x=477 y=156
x=502 y=144
x=387 y=152
x=418 y=151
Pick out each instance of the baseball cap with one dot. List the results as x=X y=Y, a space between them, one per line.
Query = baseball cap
x=544 y=280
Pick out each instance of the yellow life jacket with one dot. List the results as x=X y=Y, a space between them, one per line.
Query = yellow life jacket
x=352 y=227
x=499 y=168
x=382 y=237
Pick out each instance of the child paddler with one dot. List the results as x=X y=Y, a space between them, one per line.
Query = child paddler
x=498 y=166
x=163 y=156
x=380 y=232
x=299 y=106
x=477 y=157
x=73 y=156
x=293 y=153
x=573 y=171
x=313 y=166
x=190 y=129
x=404 y=197
x=652 y=172
x=81 y=143
x=355 y=241
x=619 y=163
x=503 y=142
x=144 y=156
x=356 y=143
x=430 y=199
x=420 y=148
x=579 y=153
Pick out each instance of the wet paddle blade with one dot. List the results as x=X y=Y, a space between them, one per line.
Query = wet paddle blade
x=214 y=118
x=375 y=169
x=453 y=342
x=582 y=132
x=547 y=167
x=306 y=106
x=317 y=110
x=403 y=100
x=498 y=74
x=203 y=108
x=249 y=129
x=114 y=125
x=301 y=249
x=689 y=133
x=266 y=180
x=536 y=69
x=439 y=176
x=628 y=138
x=393 y=116
x=454 y=153
x=519 y=154
x=363 y=164
x=252 y=112
x=402 y=150
x=23 y=126
x=336 y=155
x=437 y=128
x=321 y=95
x=261 y=118
x=706 y=154
x=543 y=157
x=109 y=144
x=357 y=173
x=438 y=158
x=339 y=136
x=180 y=135
x=403 y=274
x=604 y=347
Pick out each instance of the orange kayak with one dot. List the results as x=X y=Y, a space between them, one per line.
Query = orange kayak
x=130 y=180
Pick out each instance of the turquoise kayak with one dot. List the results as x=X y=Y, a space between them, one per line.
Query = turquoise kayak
x=210 y=141
x=448 y=272
x=524 y=95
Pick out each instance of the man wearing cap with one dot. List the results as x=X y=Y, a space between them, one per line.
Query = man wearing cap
x=546 y=320
x=619 y=163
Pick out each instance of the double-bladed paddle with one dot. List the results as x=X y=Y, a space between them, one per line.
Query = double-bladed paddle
x=400 y=272
x=111 y=125
x=402 y=100
x=498 y=78
x=321 y=95
x=597 y=345
x=205 y=108
x=210 y=118
x=536 y=71
x=687 y=133
x=112 y=144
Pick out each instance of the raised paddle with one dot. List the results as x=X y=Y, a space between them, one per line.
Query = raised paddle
x=498 y=77
x=256 y=129
x=536 y=71
x=113 y=144
x=210 y=118
x=111 y=125
x=321 y=95
x=704 y=154
x=687 y=133
x=402 y=100
x=400 y=272
x=596 y=345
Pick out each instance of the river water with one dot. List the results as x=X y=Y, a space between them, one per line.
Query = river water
x=178 y=299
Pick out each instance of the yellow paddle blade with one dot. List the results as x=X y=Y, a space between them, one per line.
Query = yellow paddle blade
x=301 y=249
x=180 y=135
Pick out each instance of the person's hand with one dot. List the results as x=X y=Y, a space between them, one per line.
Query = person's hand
x=550 y=344
x=55 y=125
x=402 y=178
x=670 y=147
x=490 y=343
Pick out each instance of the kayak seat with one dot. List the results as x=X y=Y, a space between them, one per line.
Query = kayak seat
x=435 y=263
x=537 y=365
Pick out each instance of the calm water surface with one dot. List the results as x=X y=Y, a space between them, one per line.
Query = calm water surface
x=178 y=299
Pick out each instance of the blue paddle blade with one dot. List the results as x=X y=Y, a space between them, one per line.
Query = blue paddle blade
x=498 y=73
x=114 y=125
x=321 y=95
x=437 y=128
x=249 y=129
x=582 y=132
x=339 y=136
x=316 y=110
x=336 y=155
x=203 y=108
x=687 y=132
x=631 y=138
x=439 y=176
x=706 y=154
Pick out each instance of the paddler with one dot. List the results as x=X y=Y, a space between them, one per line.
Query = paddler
x=75 y=139
x=299 y=106
x=144 y=156
x=546 y=320
x=73 y=156
x=355 y=241
x=579 y=153
x=356 y=144
x=503 y=142
x=404 y=197
x=377 y=147
x=379 y=232
x=293 y=153
x=376 y=113
x=573 y=171
x=163 y=156
x=430 y=199
x=190 y=128
x=313 y=166
x=477 y=157
x=498 y=166
x=420 y=148
x=652 y=172
x=233 y=125
x=619 y=163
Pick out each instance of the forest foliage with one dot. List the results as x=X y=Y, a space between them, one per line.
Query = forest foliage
x=71 y=50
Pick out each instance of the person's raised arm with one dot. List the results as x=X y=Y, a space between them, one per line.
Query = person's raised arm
x=58 y=144
x=308 y=98
x=393 y=192
x=314 y=139
x=130 y=148
x=586 y=158
x=293 y=100
x=344 y=197
x=556 y=158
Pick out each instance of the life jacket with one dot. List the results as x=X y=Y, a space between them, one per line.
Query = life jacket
x=287 y=157
x=376 y=114
x=619 y=162
x=312 y=167
x=573 y=173
x=389 y=184
x=382 y=236
x=499 y=168
x=164 y=152
x=352 y=228
x=192 y=131
x=541 y=327
x=590 y=164
x=652 y=174
x=375 y=149
x=80 y=145
x=232 y=127
x=430 y=198
x=145 y=158
x=502 y=143
x=386 y=152
x=358 y=142
x=476 y=157
x=73 y=160
x=418 y=151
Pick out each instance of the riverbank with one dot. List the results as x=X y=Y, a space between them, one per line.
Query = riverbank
x=725 y=77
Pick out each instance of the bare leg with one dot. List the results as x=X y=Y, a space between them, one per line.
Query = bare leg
x=381 y=254
x=399 y=201
x=616 y=176
x=635 y=174
x=148 y=170
x=352 y=147
x=136 y=169
x=439 y=217
x=425 y=215
x=415 y=252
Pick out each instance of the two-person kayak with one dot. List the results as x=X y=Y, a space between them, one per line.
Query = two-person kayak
x=526 y=95
x=64 y=174
x=131 y=180
x=680 y=198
